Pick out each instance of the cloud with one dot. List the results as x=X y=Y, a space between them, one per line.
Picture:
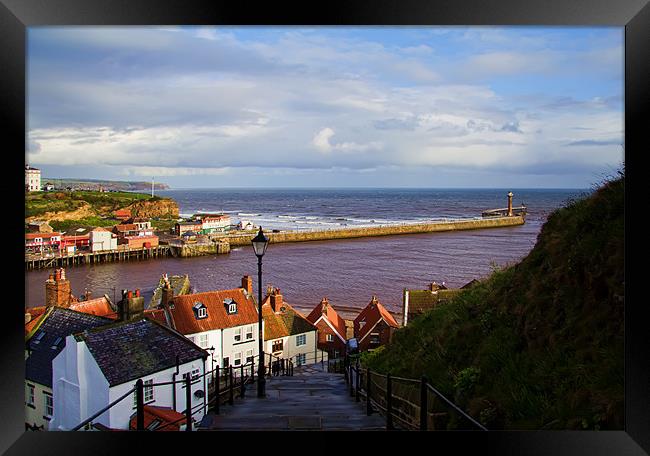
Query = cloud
x=221 y=98
x=322 y=142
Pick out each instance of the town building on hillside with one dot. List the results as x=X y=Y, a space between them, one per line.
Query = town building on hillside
x=122 y=214
x=225 y=322
x=45 y=338
x=287 y=334
x=75 y=239
x=374 y=326
x=102 y=239
x=212 y=223
x=183 y=227
x=417 y=302
x=39 y=227
x=32 y=179
x=332 y=335
x=139 y=242
x=142 y=224
x=42 y=242
x=100 y=365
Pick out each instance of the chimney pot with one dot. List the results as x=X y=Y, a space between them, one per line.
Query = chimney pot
x=129 y=294
x=137 y=292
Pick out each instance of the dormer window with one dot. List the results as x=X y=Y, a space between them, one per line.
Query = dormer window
x=230 y=305
x=200 y=311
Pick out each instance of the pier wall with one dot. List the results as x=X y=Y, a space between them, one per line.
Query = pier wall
x=456 y=225
x=192 y=250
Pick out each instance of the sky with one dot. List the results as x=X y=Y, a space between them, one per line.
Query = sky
x=212 y=107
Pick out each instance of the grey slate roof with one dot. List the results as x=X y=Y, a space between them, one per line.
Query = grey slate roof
x=58 y=324
x=130 y=350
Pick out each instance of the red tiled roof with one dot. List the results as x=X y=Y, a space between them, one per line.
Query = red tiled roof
x=168 y=419
x=99 y=228
x=77 y=237
x=283 y=323
x=126 y=227
x=372 y=314
x=30 y=325
x=337 y=322
x=98 y=306
x=187 y=323
x=41 y=235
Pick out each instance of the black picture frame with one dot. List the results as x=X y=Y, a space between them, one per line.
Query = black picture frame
x=16 y=15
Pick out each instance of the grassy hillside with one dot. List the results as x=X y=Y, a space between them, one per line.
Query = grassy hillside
x=102 y=203
x=538 y=344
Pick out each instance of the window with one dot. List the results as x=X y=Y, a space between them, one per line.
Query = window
x=39 y=336
x=203 y=340
x=237 y=359
x=231 y=305
x=30 y=394
x=278 y=345
x=148 y=390
x=300 y=359
x=49 y=404
x=237 y=334
x=196 y=373
x=249 y=332
x=56 y=343
x=200 y=310
x=301 y=340
x=192 y=339
x=226 y=362
x=249 y=356
x=329 y=338
x=374 y=338
x=203 y=312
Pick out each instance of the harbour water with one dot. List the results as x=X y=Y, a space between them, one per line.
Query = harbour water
x=347 y=271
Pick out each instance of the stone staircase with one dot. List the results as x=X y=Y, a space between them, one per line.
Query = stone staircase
x=312 y=399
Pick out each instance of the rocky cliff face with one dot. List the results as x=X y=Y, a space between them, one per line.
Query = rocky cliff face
x=162 y=208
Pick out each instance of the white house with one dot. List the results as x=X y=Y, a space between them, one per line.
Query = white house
x=32 y=179
x=224 y=322
x=101 y=365
x=102 y=239
x=45 y=337
x=213 y=223
x=287 y=334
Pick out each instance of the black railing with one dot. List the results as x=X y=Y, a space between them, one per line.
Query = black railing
x=404 y=400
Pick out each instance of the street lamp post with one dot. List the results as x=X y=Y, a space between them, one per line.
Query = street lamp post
x=260 y=242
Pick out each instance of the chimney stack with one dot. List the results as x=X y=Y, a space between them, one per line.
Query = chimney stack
x=276 y=300
x=510 y=204
x=167 y=293
x=247 y=284
x=324 y=305
x=57 y=289
x=131 y=307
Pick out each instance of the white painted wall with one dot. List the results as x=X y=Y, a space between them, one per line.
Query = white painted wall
x=102 y=240
x=80 y=390
x=230 y=347
x=214 y=340
x=34 y=413
x=290 y=349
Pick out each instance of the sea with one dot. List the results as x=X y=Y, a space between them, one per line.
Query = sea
x=348 y=272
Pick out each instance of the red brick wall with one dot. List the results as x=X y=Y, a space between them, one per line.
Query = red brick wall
x=385 y=333
x=323 y=344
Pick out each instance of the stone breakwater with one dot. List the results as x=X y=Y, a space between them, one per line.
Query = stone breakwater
x=323 y=235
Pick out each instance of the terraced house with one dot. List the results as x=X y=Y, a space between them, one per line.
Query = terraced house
x=287 y=334
x=374 y=326
x=331 y=329
x=224 y=322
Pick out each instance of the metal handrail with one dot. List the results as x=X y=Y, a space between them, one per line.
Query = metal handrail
x=376 y=386
x=458 y=409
